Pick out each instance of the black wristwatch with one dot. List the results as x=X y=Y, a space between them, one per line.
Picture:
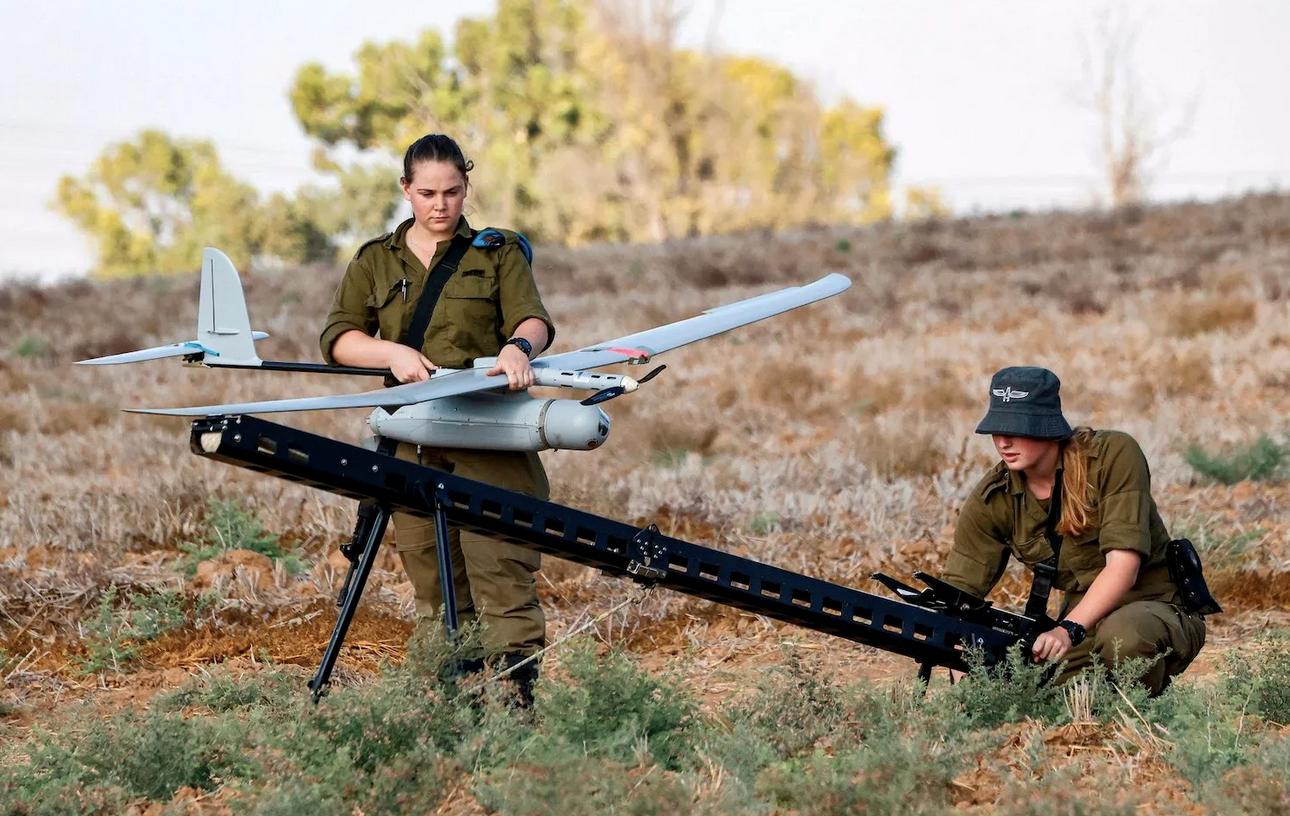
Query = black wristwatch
x=1077 y=632
x=524 y=345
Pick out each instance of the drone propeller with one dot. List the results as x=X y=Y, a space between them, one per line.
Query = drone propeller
x=650 y=375
x=606 y=394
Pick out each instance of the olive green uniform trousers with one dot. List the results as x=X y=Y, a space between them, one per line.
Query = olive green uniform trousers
x=494 y=579
x=1151 y=629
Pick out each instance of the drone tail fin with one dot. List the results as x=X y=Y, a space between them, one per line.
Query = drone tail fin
x=223 y=324
x=224 y=335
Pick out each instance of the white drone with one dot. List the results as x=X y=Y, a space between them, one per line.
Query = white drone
x=459 y=408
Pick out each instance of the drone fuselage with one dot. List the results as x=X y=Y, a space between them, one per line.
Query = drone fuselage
x=508 y=422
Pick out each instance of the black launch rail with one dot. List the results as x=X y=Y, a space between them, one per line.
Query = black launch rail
x=933 y=626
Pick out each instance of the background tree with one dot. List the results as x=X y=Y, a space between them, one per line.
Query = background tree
x=588 y=122
x=1132 y=134
x=152 y=204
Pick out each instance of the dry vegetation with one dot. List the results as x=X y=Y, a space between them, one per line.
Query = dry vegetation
x=832 y=441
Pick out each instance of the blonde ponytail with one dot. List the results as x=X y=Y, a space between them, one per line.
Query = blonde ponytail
x=1075 y=486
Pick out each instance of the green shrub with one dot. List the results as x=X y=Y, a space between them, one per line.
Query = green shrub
x=114 y=637
x=572 y=784
x=1056 y=792
x=795 y=706
x=1258 y=786
x=155 y=612
x=231 y=525
x=906 y=771
x=223 y=692
x=32 y=345
x=409 y=784
x=613 y=706
x=762 y=522
x=107 y=639
x=1207 y=728
x=150 y=757
x=1008 y=692
x=1261 y=460
x=294 y=796
x=669 y=457
x=62 y=798
x=1261 y=677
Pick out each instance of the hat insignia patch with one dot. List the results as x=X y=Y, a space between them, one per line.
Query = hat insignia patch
x=1008 y=394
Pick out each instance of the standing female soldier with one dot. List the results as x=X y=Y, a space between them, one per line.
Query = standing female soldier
x=1089 y=492
x=489 y=306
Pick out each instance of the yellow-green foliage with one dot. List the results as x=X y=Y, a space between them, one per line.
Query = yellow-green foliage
x=152 y=203
x=587 y=124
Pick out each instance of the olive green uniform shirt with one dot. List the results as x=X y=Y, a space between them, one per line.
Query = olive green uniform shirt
x=486 y=299
x=482 y=303
x=1002 y=518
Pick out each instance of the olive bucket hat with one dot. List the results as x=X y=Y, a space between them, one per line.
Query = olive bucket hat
x=1025 y=401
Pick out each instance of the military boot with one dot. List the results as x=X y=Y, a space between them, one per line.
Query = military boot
x=520 y=679
x=470 y=666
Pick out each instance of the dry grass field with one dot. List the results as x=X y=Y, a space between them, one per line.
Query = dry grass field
x=833 y=441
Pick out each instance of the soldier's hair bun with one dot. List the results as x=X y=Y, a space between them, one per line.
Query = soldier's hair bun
x=435 y=147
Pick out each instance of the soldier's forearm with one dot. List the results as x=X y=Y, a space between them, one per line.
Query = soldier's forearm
x=353 y=348
x=534 y=331
x=1108 y=588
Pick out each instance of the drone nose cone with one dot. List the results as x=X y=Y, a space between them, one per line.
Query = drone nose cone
x=377 y=419
x=630 y=385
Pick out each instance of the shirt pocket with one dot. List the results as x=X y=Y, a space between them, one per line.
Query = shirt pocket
x=471 y=284
x=388 y=303
x=1032 y=550
x=382 y=297
x=472 y=300
x=467 y=318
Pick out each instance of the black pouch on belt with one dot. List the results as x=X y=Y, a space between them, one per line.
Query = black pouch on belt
x=1185 y=570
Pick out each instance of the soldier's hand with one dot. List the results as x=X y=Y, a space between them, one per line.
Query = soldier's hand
x=512 y=362
x=409 y=365
x=1052 y=645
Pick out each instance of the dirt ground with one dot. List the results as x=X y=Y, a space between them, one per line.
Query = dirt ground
x=833 y=441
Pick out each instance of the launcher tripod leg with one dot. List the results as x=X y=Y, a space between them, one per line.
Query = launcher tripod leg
x=446 y=585
x=368 y=534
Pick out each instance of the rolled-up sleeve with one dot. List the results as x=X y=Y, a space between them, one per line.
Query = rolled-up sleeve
x=519 y=299
x=351 y=309
x=1125 y=493
x=979 y=555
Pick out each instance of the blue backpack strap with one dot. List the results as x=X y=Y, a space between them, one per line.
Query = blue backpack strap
x=491 y=238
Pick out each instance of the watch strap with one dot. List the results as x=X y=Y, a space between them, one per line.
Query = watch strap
x=520 y=343
x=1076 y=631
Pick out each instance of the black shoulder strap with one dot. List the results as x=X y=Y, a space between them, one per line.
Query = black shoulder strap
x=1046 y=571
x=416 y=333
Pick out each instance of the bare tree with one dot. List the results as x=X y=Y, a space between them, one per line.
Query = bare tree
x=1132 y=135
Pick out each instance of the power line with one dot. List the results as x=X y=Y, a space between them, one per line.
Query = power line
x=63 y=129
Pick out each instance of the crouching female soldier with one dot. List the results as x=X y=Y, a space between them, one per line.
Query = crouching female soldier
x=1085 y=495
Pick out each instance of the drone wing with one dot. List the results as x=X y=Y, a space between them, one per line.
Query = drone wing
x=442 y=383
x=644 y=345
x=638 y=347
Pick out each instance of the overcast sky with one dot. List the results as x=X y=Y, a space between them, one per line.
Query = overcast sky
x=979 y=95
